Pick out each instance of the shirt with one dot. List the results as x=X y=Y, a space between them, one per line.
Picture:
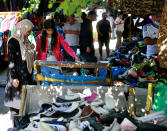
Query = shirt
x=111 y=20
x=104 y=28
x=72 y=39
x=152 y=32
x=119 y=26
x=50 y=53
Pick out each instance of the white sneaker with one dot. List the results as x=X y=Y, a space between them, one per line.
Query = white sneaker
x=72 y=125
x=66 y=107
x=99 y=102
x=99 y=110
x=71 y=95
x=77 y=115
x=109 y=102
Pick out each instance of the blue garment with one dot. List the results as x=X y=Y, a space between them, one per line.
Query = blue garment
x=69 y=58
x=60 y=30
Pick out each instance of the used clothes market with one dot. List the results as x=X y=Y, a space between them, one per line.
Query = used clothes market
x=58 y=81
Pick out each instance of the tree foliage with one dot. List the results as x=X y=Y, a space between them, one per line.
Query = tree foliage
x=68 y=6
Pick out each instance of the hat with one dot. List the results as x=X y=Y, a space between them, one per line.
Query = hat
x=92 y=13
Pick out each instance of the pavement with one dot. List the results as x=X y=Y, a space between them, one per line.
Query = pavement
x=4 y=111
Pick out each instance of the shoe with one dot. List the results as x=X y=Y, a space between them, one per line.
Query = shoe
x=86 y=112
x=91 y=98
x=95 y=124
x=71 y=95
x=61 y=100
x=99 y=110
x=109 y=102
x=56 y=114
x=99 y=102
x=77 y=114
x=51 y=127
x=66 y=107
x=127 y=125
x=72 y=125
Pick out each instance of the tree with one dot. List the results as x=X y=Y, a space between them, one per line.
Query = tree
x=68 y=6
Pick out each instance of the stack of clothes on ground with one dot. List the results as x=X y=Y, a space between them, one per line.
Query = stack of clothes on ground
x=86 y=111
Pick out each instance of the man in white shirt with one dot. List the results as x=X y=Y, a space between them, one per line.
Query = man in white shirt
x=150 y=35
x=72 y=31
x=112 y=25
x=119 y=28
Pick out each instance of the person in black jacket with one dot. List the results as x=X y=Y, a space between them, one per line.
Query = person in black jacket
x=20 y=65
x=87 y=51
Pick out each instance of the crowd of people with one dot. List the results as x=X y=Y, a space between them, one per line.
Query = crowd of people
x=56 y=43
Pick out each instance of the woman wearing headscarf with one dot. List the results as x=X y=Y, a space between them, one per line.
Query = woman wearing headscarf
x=20 y=64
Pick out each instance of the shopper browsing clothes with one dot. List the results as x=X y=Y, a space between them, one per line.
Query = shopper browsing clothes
x=48 y=45
x=72 y=31
x=20 y=59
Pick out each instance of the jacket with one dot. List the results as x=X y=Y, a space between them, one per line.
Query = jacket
x=42 y=55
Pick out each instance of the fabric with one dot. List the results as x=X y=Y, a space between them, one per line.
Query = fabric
x=104 y=27
x=42 y=55
x=151 y=32
x=69 y=58
x=50 y=53
x=26 y=52
x=119 y=36
x=17 y=68
x=72 y=39
x=119 y=26
x=86 y=37
x=111 y=20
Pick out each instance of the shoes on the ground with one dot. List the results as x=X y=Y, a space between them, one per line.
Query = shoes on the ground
x=109 y=102
x=99 y=110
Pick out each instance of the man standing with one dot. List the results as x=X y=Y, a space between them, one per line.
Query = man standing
x=119 y=28
x=150 y=35
x=72 y=31
x=86 y=38
x=112 y=25
x=104 y=30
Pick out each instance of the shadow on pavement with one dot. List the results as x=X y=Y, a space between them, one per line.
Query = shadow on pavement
x=3 y=109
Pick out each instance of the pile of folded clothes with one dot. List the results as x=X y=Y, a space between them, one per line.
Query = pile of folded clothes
x=85 y=112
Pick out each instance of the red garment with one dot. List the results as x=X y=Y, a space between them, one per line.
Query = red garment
x=42 y=55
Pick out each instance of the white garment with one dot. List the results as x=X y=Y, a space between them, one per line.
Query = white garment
x=72 y=39
x=111 y=20
x=119 y=26
x=50 y=53
x=152 y=32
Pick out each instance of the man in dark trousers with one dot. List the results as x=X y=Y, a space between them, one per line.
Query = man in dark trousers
x=104 y=30
x=87 y=52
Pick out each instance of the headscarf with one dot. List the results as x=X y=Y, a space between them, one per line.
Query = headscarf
x=26 y=52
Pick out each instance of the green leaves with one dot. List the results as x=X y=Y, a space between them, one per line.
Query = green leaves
x=68 y=7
